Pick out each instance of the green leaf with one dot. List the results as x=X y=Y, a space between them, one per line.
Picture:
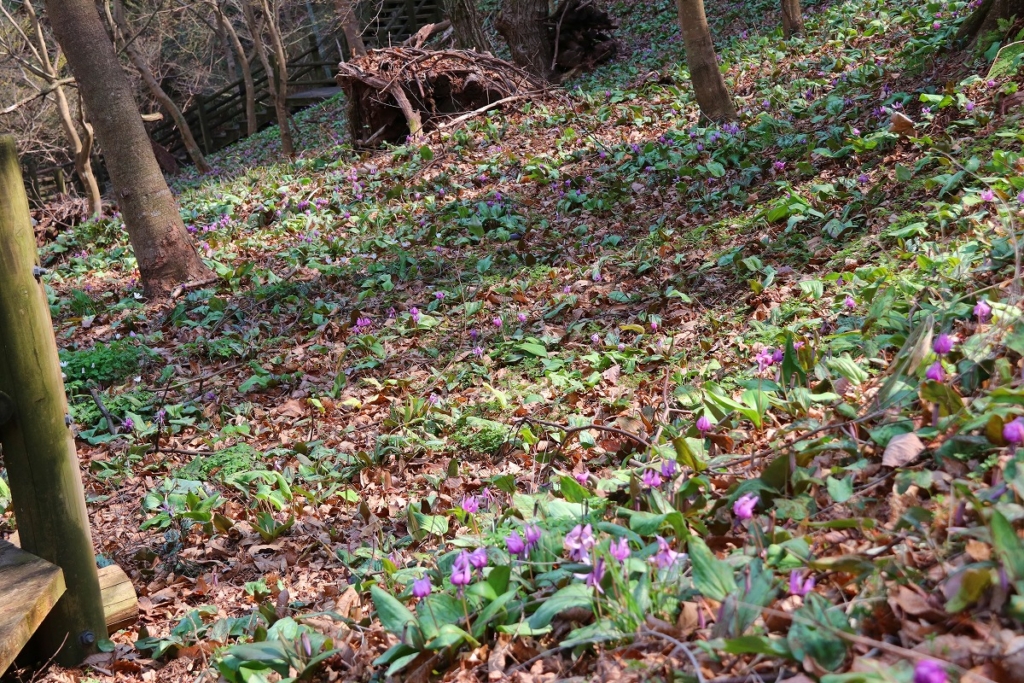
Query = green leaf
x=573 y=595
x=812 y=633
x=450 y=635
x=426 y=154
x=571 y=490
x=393 y=615
x=488 y=613
x=533 y=349
x=753 y=645
x=1008 y=548
x=711 y=576
x=645 y=523
x=841 y=490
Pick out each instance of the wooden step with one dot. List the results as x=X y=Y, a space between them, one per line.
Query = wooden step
x=29 y=588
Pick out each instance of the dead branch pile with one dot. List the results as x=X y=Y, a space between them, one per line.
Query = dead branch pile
x=401 y=91
x=582 y=36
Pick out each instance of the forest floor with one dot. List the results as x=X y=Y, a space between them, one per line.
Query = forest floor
x=746 y=394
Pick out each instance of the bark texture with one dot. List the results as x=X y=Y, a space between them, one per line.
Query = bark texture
x=708 y=82
x=162 y=248
x=277 y=79
x=986 y=18
x=469 y=33
x=524 y=26
x=81 y=145
x=792 y=19
x=350 y=27
x=161 y=96
x=251 y=124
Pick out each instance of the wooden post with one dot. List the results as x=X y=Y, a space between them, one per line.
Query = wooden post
x=201 y=111
x=58 y=179
x=39 y=450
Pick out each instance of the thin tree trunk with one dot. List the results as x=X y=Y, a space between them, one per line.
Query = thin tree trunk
x=523 y=25
x=350 y=27
x=708 y=82
x=792 y=19
x=80 y=151
x=469 y=34
x=161 y=244
x=277 y=86
x=251 y=124
x=159 y=93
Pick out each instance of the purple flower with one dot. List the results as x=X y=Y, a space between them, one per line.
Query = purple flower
x=982 y=310
x=462 y=570
x=470 y=504
x=1020 y=197
x=579 y=541
x=654 y=326
x=433 y=399
x=596 y=338
x=929 y=671
x=414 y=313
x=988 y=196
x=779 y=166
x=363 y=324
x=161 y=416
x=515 y=544
x=935 y=372
x=567 y=289
x=704 y=424
x=478 y=351
x=478 y=558
x=521 y=317
x=778 y=355
x=128 y=424
x=621 y=347
x=744 y=506
x=849 y=302
x=439 y=296
x=651 y=479
x=1013 y=432
x=620 y=549
x=798 y=587
x=665 y=557
x=668 y=468
x=497 y=322
x=936 y=25
x=421 y=587
x=582 y=477
x=596 y=574
x=969 y=106
x=764 y=359
x=533 y=534
x=943 y=344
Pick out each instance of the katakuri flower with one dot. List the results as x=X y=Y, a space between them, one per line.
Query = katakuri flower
x=596 y=574
x=943 y=344
x=1013 y=431
x=665 y=557
x=800 y=587
x=581 y=477
x=935 y=372
x=744 y=506
x=620 y=549
x=982 y=310
x=462 y=570
x=478 y=558
x=515 y=544
x=988 y=196
x=651 y=479
x=128 y=424
x=421 y=587
x=470 y=504
x=929 y=671
x=849 y=302
x=533 y=534
x=579 y=541
x=669 y=468
x=704 y=424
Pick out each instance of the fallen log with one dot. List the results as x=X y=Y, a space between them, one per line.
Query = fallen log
x=400 y=92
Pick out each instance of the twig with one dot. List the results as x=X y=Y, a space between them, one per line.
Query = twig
x=558 y=33
x=111 y=427
x=492 y=105
x=572 y=430
x=680 y=645
x=180 y=289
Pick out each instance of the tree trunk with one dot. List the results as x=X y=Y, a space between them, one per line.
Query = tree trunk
x=792 y=19
x=277 y=85
x=469 y=35
x=985 y=20
x=161 y=96
x=708 y=82
x=523 y=25
x=162 y=248
x=350 y=27
x=81 y=150
x=251 y=124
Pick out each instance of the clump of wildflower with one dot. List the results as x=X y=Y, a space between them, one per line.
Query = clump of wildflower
x=414 y=313
x=497 y=322
x=521 y=317
x=471 y=504
x=478 y=558
x=620 y=549
x=439 y=296
x=128 y=424
x=462 y=571
x=478 y=351
x=579 y=541
x=744 y=506
x=595 y=338
x=764 y=359
x=669 y=468
x=651 y=479
x=982 y=310
x=161 y=416
x=363 y=324
x=582 y=477
x=779 y=166
x=665 y=557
